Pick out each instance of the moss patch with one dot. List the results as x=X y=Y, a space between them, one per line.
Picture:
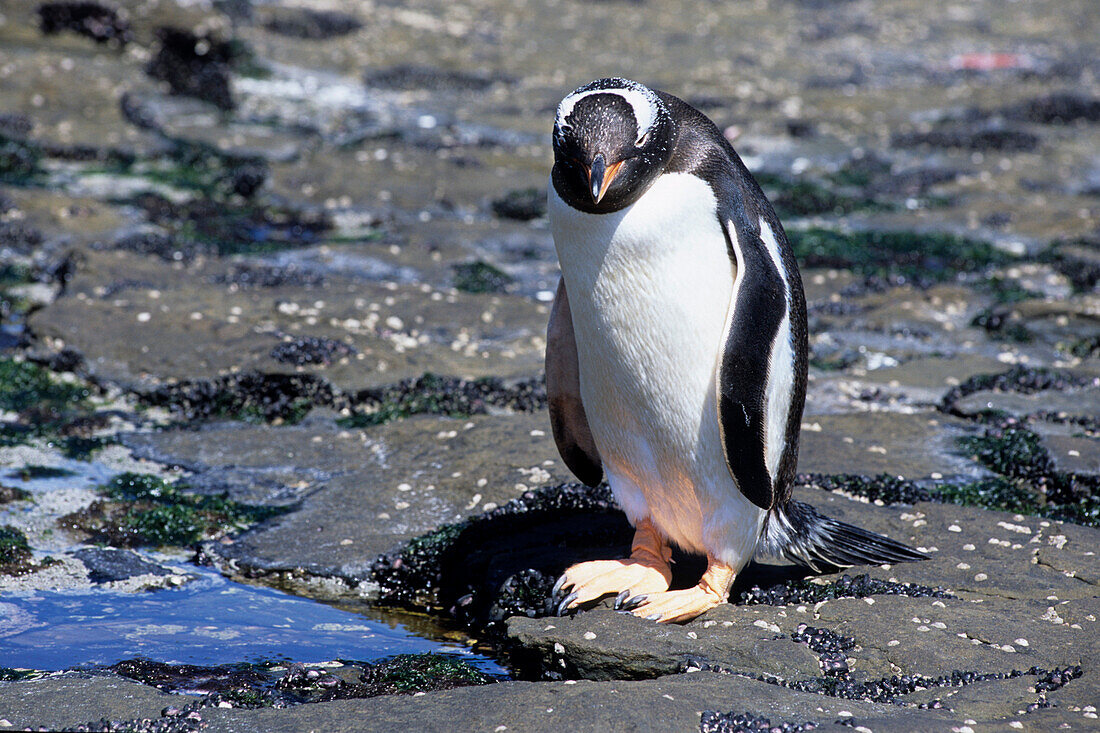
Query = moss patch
x=915 y=257
x=142 y=510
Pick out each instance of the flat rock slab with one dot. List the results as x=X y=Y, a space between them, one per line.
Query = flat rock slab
x=1026 y=595
x=673 y=703
x=361 y=492
x=157 y=322
x=76 y=698
x=915 y=445
x=1081 y=402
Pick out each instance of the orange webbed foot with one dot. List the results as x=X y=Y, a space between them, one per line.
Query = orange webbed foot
x=645 y=571
x=680 y=606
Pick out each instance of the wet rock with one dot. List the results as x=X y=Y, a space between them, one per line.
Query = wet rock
x=106 y=565
x=20 y=160
x=522 y=205
x=1079 y=260
x=91 y=19
x=361 y=492
x=9 y=494
x=437 y=395
x=20 y=236
x=1056 y=108
x=480 y=277
x=78 y=698
x=795 y=592
x=247 y=275
x=970 y=137
x=311 y=350
x=714 y=722
x=194 y=65
x=311 y=24
x=408 y=77
x=675 y=700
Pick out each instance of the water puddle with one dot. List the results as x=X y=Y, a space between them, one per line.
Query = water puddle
x=208 y=621
x=56 y=619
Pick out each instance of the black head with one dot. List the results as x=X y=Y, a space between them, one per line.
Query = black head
x=612 y=138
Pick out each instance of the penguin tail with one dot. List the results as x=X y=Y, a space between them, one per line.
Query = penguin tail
x=800 y=534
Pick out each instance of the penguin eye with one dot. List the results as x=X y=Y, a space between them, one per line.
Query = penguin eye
x=642 y=140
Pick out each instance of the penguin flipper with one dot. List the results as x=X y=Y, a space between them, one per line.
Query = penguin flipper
x=563 y=395
x=761 y=374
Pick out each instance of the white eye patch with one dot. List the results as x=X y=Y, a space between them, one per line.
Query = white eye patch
x=643 y=103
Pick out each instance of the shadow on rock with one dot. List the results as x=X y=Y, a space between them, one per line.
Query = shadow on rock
x=505 y=562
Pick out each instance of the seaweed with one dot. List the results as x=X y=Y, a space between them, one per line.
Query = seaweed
x=480 y=277
x=143 y=510
x=920 y=258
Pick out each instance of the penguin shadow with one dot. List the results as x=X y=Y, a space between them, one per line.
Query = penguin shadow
x=507 y=565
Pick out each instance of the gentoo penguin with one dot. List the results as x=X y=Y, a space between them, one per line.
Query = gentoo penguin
x=676 y=353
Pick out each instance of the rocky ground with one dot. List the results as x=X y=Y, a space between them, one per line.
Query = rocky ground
x=279 y=276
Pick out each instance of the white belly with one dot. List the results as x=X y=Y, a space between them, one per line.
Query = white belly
x=649 y=288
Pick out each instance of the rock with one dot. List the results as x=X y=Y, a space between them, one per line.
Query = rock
x=396 y=331
x=912 y=445
x=408 y=77
x=98 y=22
x=194 y=65
x=310 y=24
x=676 y=701
x=605 y=645
x=970 y=137
x=76 y=698
x=106 y=565
x=1055 y=108
x=361 y=491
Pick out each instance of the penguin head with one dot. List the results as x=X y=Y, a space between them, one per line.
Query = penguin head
x=612 y=138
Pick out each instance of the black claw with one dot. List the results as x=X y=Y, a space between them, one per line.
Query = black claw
x=564 y=605
x=633 y=602
x=620 y=598
x=558 y=586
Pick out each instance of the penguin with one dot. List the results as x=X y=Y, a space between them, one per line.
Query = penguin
x=677 y=354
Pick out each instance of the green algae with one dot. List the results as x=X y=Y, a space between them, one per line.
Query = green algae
x=14 y=550
x=408 y=673
x=20 y=161
x=915 y=256
x=24 y=385
x=804 y=197
x=142 y=510
x=480 y=277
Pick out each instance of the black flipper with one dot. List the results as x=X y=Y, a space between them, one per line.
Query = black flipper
x=802 y=535
x=563 y=394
